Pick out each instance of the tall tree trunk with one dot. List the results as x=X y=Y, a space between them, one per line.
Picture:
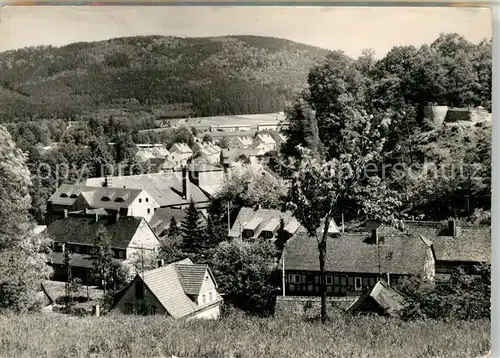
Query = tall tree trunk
x=322 y=260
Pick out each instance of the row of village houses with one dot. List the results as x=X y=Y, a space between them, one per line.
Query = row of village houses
x=208 y=153
x=136 y=212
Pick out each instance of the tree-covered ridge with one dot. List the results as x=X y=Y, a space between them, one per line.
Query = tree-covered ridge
x=218 y=75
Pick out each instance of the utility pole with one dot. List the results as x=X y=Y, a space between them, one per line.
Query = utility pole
x=283 y=268
x=228 y=220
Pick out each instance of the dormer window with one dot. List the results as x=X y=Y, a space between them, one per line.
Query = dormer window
x=73 y=196
x=105 y=198
x=119 y=200
x=63 y=195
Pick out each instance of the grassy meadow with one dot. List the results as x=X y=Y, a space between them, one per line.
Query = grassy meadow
x=52 y=335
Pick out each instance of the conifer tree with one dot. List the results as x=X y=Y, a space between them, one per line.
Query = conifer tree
x=173 y=228
x=192 y=233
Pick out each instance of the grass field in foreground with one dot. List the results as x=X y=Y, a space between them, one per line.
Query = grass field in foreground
x=39 y=335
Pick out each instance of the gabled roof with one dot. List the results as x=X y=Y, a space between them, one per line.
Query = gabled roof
x=161 y=218
x=191 y=277
x=247 y=217
x=111 y=198
x=66 y=194
x=266 y=138
x=169 y=287
x=165 y=188
x=355 y=253
x=83 y=230
x=472 y=243
x=387 y=298
x=182 y=148
x=245 y=140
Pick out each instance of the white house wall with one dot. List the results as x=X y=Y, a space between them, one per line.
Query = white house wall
x=140 y=206
x=143 y=238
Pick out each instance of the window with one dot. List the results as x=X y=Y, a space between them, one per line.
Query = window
x=140 y=200
x=149 y=211
x=155 y=210
x=63 y=195
x=358 y=284
x=297 y=279
x=105 y=198
x=121 y=254
x=76 y=249
x=203 y=299
x=329 y=280
x=210 y=297
x=147 y=200
x=139 y=290
x=388 y=256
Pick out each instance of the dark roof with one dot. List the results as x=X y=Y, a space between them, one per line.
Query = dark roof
x=83 y=230
x=387 y=298
x=191 y=277
x=472 y=243
x=356 y=253
x=165 y=188
x=161 y=218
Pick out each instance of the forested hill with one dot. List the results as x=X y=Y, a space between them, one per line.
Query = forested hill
x=172 y=76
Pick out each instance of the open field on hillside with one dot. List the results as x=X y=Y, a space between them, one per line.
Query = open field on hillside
x=55 y=336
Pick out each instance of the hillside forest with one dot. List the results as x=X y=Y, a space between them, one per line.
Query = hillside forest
x=110 y=90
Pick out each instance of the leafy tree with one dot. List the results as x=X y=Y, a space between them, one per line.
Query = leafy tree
x=207 y=138
x=171 y=249
x=102 y=256
x=23 y=260
x=347 y=178
x=244 y=274
x=462 y=296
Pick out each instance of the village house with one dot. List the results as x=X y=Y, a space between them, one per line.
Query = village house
x=229 y=127
x=130 y=238
x=82 y=198
x=181 y=290
x=160 y=222
x=264 y=142
x=207 y=154
x=208 y=177
x=267 y=126
x=354 y=263
x=231 y=156
x=179 y=154
x=240 y=142
x=254 y=223
x=454 y=246
x=174 y=188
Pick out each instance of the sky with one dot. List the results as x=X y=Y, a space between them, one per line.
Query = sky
x=350 y=29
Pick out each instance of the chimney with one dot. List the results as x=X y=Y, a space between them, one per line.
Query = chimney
x=374 y=236
x=185 y=183
x=452 y=228
x=161 y=263
x=65 y=213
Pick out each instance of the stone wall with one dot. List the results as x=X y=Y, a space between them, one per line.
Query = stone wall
x=310 y=306
x=435 y=114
